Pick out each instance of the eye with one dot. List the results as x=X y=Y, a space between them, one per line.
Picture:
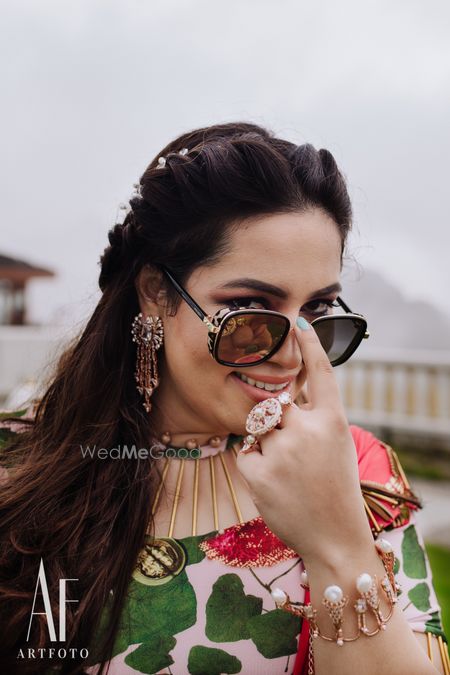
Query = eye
x=319 y=307
x=313 y=308
x=249 y=303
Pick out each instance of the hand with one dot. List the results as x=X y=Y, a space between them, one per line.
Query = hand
x=305 y=480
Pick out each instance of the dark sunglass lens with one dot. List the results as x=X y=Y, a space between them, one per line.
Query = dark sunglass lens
x=339 y=335
x=247 y=338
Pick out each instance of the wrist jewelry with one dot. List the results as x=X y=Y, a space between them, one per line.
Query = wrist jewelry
x=335 y=601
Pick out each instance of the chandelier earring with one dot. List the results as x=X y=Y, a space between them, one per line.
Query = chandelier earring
x=148 y=336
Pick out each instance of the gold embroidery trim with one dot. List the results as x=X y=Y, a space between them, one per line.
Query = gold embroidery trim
x=397 y=492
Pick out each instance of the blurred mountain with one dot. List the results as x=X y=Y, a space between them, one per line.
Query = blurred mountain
x=393 y=320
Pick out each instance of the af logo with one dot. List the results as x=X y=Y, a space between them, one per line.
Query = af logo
x=42 y=582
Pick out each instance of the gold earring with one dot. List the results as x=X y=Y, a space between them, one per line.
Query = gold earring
x=149 y=336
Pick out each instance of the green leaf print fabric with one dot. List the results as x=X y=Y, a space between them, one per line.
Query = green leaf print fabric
x=213 y=618
x=228 y=610
x=412 y=569
x=207 y=661
x=209 y=618
x=413 y=554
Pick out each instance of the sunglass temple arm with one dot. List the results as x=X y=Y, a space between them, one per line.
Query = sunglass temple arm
x=191 y=302
x=346 y=308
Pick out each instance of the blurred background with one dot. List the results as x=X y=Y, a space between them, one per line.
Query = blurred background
x=92 y=90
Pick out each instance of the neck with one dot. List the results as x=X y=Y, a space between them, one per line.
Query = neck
x=166 y=421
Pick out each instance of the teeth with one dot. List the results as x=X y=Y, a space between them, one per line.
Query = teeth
x=262 y=385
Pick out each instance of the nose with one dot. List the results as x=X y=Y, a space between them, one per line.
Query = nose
x=289 y=356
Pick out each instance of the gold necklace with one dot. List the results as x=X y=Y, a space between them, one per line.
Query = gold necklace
x=190 y=443
x=212 y=461
x=163 y=558
x=244 y=544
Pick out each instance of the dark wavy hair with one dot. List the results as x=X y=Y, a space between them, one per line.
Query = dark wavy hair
x=85 y=517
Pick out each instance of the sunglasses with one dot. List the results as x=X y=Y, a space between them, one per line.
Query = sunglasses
x=244 y=337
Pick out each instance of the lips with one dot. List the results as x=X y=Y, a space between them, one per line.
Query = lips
x=263 y=383
x=257 y=394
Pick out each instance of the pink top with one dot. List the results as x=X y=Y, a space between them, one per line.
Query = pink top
x=216 y=613
x=203 y=604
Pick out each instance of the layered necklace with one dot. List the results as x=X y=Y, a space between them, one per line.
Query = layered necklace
x=211 y=454
x=245 y=544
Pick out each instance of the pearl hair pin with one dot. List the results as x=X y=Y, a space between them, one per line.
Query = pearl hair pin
x=124 y=208
x=162 y=160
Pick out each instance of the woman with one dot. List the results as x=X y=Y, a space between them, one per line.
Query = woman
x=188 y=556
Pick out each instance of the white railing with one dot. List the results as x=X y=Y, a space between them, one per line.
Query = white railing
x=406 y=391
x=26 y=354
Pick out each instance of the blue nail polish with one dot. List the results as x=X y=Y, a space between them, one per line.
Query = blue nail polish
x=303 y=324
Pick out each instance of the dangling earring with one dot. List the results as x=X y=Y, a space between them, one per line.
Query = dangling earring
x=149 y=336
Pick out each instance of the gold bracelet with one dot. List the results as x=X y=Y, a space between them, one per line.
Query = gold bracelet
x=335 y=601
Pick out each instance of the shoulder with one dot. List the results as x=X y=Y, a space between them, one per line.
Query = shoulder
x=16 y=421
x=388 y=496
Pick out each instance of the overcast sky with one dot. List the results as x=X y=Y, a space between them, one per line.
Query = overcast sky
x=92 y=90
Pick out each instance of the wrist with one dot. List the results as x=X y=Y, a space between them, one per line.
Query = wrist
x=341 y=567
x=339 y=555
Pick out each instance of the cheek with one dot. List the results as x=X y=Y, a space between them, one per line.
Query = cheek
x=186 y=348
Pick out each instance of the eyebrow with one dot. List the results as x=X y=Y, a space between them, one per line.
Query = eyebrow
x=264 y=287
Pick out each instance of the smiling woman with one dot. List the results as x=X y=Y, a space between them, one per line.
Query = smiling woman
x=213 y=342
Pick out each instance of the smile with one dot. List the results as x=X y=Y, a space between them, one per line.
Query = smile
x=261 y=385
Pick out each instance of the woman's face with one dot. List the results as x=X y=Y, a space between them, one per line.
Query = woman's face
x=299 y=255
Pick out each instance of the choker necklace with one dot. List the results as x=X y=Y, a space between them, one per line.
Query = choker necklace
x=189 y=444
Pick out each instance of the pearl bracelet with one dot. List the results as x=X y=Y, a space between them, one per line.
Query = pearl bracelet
x=335 y=601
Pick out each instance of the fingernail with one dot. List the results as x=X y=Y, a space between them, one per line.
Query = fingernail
x=303 y=324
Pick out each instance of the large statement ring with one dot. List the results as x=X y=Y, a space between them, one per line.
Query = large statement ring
x=262 y=418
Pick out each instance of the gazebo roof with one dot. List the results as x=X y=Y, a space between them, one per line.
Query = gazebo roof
x=17 y=270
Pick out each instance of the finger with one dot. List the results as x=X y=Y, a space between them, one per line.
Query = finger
x=302 y=399
x=287 y=413
x=323 y=389
x=249 y=462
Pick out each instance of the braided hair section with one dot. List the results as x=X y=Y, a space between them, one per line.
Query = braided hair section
x=208 y=181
